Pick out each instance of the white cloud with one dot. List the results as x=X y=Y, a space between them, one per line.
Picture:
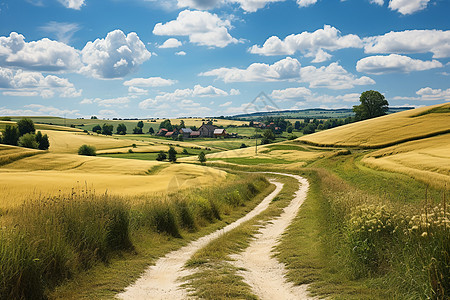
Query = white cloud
x=287 y=68
x=63 y=31
x=202 y=27
x=235 y=92
x=149 y=82
x=254 y=5
x=181 y=53
x=148 y=104
x=42 y=55
x=115 y=56
x=394 y=63
x=107 y=113
x=119 y=101
x=305 y=3
x=25 y=83
x=171 y=43
x=199 y=4
x=333 y=77
x=312 y=44
x=291 y=93
x=379 y=2
x=410 y=41
x=74 y=4
x=407 y=7
x=226 y=104
x=429 y=94
x=135 y=91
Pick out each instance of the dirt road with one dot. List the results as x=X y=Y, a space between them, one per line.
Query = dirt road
x=263 y=272
x=161 y=281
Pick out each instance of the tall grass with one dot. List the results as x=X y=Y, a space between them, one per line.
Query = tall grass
x=48 y=240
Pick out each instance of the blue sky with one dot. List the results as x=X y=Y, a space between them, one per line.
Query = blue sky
x=148 y=58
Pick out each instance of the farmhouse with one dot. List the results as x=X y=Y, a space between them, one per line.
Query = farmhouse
x=170 y=134
x=195 y=134
x=186 y=132
x=207 y=130
x=220 y=132
x=162 y=132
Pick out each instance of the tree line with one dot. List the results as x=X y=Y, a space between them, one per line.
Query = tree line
x=23 y=134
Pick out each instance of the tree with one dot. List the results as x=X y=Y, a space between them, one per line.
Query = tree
x=26 y=126
x=10 y=135
x=87 y=150
x=140 y=124
x=42 y=140
x=297 y=125
x=107 y=129
x=172 y=154
x=251 y=124
x=137 y=130
x=161 y=156
x=289 y=129
x=97 y=128
x=182 y=125
x=202 y=157
x=268 y=136
x=166 y=124
x=373 y=104
x=94 y=118
x=121 y=129
x=310 y=128
x=28 y=140
x=151 y=130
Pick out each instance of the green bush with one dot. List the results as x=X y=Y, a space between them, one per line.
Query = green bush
x=87 y=150
x=28 y=140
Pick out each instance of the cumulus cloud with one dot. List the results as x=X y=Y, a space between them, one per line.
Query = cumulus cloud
x=171 y=43
x=379 y=2
x=181 y=53
x=287 y=68
x=333 y=76
x=38 y=110
x=202 y=28
x=115 y=56
x=235 y=92
x=226 y=104
x=428 y=94
x=312 y=44
x=119 y=101
x=291 y=93
x=181 y=96
x=411 y=41
x=25 y=83
x=407 y=7
x=149 y=82
x=74 y=4
x=199 y=4
x=43 y=55
x=135 y=91
x=304 y=3
x=394 y=63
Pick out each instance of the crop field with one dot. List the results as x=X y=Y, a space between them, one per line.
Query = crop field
x=385 y=131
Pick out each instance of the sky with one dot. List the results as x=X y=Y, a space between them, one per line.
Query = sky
x=175 y=58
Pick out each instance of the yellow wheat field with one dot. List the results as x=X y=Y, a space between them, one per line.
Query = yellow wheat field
x=386 y=130
x=50 y=174
x=426 y=159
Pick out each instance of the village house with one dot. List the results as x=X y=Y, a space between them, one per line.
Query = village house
x=207 y=130
x=195 y=134
x=171 y=134
x=220 y=132
x=185 y=132
x=162 y=132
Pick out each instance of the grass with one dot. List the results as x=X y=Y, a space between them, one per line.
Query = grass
x=250 y=161
x=63 y=236
x=214 y=276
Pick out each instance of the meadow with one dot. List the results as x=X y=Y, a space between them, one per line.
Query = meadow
x=378 y=202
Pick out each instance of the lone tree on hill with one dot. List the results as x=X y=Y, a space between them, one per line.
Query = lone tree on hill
x=140 y=124
x=107 y=129
x=202 y=157
x=121 y=129
x=151 y=130
x=172 y=154
x=373 y=104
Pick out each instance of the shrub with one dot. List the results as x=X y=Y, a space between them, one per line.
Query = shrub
x=87 y=150
x=202 y=157
x=10 y=135
x=172 y=154
x=97 y=128
x=42 y=140
x=28 y=140
x=161 y=156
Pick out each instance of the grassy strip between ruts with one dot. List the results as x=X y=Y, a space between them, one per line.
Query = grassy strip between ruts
x=101 y=244
x=214 y=276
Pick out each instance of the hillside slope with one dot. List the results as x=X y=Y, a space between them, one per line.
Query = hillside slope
x=387 y=130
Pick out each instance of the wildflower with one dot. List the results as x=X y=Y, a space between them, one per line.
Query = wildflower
x=424 y=234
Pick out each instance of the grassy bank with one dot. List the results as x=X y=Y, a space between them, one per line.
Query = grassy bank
x=50 y=240
x=352 y=240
